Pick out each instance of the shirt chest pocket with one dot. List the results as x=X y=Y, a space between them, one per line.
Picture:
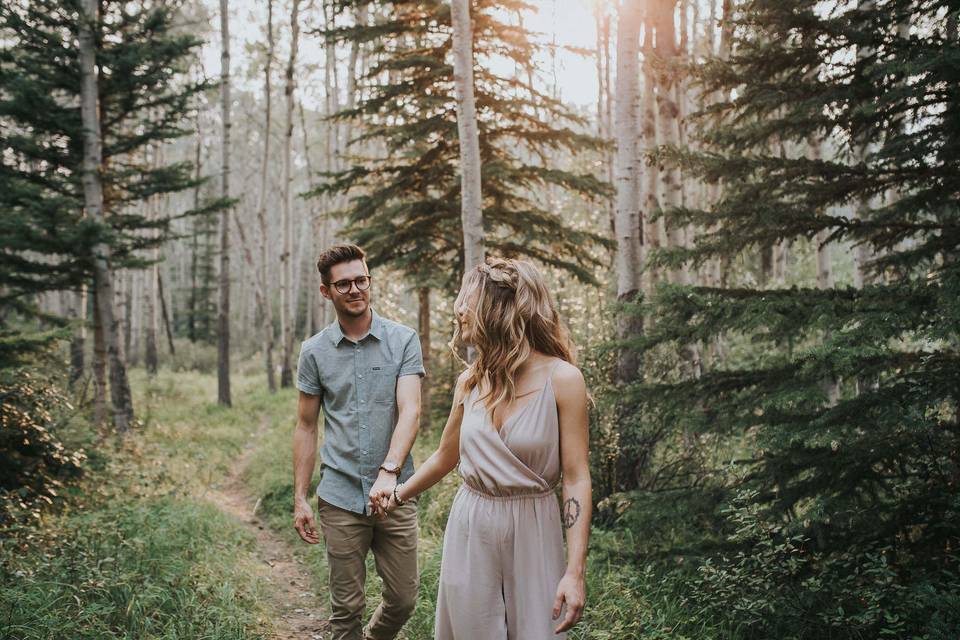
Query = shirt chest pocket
x=383 y=383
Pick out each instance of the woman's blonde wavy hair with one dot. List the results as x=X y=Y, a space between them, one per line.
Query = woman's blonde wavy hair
x=514 y=315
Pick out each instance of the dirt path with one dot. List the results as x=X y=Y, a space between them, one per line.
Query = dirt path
x=300 y=613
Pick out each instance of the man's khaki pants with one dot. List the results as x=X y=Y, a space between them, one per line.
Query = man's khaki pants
x=348 y=537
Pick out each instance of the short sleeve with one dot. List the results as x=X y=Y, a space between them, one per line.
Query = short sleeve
x=412 y=363
x=308 y=376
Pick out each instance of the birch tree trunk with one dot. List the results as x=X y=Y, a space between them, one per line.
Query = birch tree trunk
x=627 y=221
x=78 y=340
x=471 y=212
x=287 y=299
x=266 y=309
x=668 y=119
x=195 y=240
x=121 y=405
x=223 y=313
x=650 y=199
x=150 y=357
x=426 y=386
x=318 y=234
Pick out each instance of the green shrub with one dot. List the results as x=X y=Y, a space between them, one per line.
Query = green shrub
x=34 y=463
x=776 y=587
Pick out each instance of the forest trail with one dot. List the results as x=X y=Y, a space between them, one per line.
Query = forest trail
x=300 y=614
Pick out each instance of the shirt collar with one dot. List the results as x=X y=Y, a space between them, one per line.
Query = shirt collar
x=376 y=329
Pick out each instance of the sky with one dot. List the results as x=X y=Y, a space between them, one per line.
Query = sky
x=569 y=22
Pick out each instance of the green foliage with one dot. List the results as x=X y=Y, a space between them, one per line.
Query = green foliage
x=837 y=407
x=47 y=243
x=34 y=463
x=404 y=204
x=776 y=586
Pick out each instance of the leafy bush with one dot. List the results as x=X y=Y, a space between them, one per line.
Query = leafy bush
x=776 y=587
x=33 y=462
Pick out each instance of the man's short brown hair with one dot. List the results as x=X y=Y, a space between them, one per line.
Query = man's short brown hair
x=335 y=255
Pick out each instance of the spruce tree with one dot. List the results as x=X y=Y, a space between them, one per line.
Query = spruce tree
x=403 y=183
x=846 y=505
x=46 y=241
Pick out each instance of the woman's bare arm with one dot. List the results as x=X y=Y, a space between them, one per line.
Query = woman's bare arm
x=577 y=505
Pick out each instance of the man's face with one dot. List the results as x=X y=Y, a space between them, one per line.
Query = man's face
x=354 y=302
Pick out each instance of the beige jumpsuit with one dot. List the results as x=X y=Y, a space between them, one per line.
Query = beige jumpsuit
x=503 y=547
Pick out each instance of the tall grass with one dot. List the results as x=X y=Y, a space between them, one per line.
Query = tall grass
x=135 y=550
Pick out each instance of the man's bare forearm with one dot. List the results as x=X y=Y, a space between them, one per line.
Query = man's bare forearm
x=304 y=458
x=404 y=435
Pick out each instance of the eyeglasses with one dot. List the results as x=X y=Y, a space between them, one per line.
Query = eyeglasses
x=344 y=286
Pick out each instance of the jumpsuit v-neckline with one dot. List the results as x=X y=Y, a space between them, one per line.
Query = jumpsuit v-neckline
x=503 y=552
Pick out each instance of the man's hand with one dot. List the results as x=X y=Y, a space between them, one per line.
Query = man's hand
x=572 y=592
x=381 y=491
x=303 y=521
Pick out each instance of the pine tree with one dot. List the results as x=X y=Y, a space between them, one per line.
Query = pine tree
x=48 y=241
x=404 y=206
x=862 y=486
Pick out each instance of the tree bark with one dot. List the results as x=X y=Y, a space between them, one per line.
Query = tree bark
x=423 y=317
x=471 y=212
x=99 y=365
x=167 y=325
x=627 y=221
x=668 y=121
x=266 y=309
x=150 y=357
x=223 y=312
x=287 y=299
x=651 y=177
x=121 y=405
x=78 y=341
x=194 y=254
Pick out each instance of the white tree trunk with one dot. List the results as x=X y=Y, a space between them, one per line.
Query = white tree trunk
x=650 y=200
x=668 y=121
x=223 y=313
x=287 y=298
x=121 y=405
x=265 y=308
x=627 y=219
x=471 y=212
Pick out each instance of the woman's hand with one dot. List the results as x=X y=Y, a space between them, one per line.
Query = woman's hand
x=571 y=591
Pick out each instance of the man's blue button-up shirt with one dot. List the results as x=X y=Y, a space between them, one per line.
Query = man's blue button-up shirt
x=357 y=383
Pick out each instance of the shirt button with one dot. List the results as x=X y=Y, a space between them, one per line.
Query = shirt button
x=364 y=452
x=363 y=426
x=362 y=401
x=360 y=376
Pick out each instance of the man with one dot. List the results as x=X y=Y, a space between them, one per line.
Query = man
x=365 y=372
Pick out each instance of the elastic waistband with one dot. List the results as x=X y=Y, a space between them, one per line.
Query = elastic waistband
x=516 y=496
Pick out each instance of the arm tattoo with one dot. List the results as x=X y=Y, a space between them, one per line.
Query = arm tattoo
x=571 y=512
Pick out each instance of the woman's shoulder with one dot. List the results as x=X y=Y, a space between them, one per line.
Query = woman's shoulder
x=567 y=375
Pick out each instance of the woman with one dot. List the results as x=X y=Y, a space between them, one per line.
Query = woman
x=518 y=424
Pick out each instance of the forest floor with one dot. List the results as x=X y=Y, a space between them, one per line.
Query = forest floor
x=297 y=615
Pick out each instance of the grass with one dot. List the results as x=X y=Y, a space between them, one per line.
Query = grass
x=139 y=551
x=136 y=550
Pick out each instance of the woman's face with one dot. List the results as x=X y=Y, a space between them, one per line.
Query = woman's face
x=465 y=310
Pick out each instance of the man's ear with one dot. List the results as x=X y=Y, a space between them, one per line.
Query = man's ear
x=325 y=291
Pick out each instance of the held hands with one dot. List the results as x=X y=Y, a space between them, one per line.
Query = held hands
x=303 y=521
x=381 y=494
x=571 y=591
